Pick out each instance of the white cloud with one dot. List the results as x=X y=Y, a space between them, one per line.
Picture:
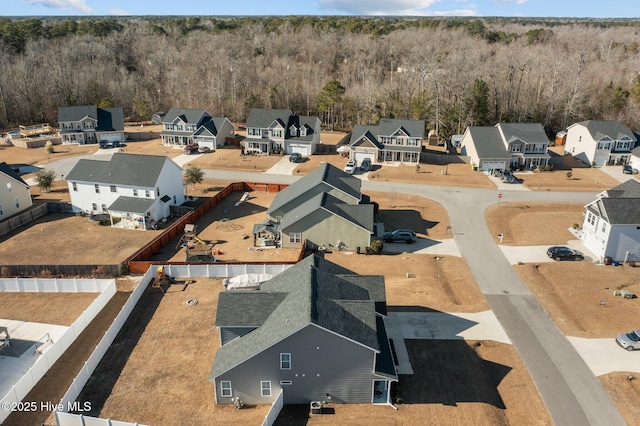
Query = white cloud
x=79 y=5
x=379 y=7
x=119 y=12
x=510 y=1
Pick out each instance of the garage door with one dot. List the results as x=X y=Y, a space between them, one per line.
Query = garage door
x=359 y=156
x=486 y=165
x=300 y=149
x=111 y=137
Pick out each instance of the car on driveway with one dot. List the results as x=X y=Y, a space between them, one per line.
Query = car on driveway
x=191 y=148
x=365 y=166
x=350 y=167
x=295 y=157
x=508 y=177
x=558 y=253
x=204 y=149
x=400 y=235
x=628 y=170
x=630 y=340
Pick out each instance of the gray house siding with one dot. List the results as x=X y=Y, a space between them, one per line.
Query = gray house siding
x=227 y=334
x=324 y=228
x=321 y=363
x=623 y=239
x=303 y=198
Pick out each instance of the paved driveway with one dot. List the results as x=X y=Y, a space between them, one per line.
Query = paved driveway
x=425 y=246
x=282 y=167
x=616 y=173
x=604 y=356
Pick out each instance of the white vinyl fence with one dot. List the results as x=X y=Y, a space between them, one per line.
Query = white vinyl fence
x=63 y=418
x=273 y=413
x=106 y=288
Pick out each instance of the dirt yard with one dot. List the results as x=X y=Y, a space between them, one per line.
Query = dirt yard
x=572 y=293
x=433 y=174
x=582 y=179
x=226 y=224
x=47 y=308
x=65 y=239
x=529 y=224
x=624 y=391
x=163 y=356
x=441 y=283
x=424 y=216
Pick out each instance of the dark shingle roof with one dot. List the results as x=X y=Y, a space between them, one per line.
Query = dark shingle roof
x=189 y=116
x=110 y=119
x=369 y=132
x=488 y=143
x=4 y=168
x=315 y=293
x=615 y=130
x=620 y=211
x=250 y=308
x=628 y=189
x=359 y=214
x=413 y=128
x=311 y=123
x=264 y=117
x=77 y=113
x=324 y=173
x=131 y=205
x=526 y=132
x=123 y=169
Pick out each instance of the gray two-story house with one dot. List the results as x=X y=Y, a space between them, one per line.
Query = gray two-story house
x=279 y=130
x=89 y=124
x=315 y=332
x=182 y=126
x=391 y=140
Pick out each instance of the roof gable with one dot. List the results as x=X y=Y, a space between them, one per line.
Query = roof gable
x=187 y=116
x=527 y=132
x=488 y=142
x=601 y=129
x=263 y=118
x=10 y=173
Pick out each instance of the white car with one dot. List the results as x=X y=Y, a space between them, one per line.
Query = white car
x=350 y=167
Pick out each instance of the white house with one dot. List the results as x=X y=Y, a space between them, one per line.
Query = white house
x=280 y=130
x=134 y=190
x=14 y=192
x=600 y=142
x=90 y=124
x=611 y=225
x=506 y=145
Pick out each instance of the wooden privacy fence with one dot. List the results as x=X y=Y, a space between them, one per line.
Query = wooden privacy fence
x=23 y=218
x=139 y=262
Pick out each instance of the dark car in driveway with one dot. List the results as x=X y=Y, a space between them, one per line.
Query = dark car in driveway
x=400 y=235
x=628 y=170
x=295 y=157
x=190 y=149
x=558 y=253
x=365 y=166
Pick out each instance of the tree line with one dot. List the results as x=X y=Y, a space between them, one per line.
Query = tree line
x=450 y=72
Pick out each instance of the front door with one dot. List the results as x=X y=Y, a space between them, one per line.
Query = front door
x=381 y=390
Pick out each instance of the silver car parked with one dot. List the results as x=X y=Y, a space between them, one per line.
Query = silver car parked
x=630 y=340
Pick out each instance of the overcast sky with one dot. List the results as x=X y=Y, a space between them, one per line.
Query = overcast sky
x=538 y=8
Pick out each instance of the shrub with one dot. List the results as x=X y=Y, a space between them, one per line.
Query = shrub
x=569 y=175
x=576 y=226
x=377 y=246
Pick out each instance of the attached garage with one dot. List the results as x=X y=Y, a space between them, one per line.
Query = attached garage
x=302 y=149
x=358 y=156
x=111 y=137
x=493 y=165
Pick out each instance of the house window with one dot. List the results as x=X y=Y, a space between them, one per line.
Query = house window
x=604 y=227
x=295 y=238
x=147 y=193
x=17 y=202
x=303 y=131
x=97 y=188
x=175 y=200
x=113 y=188
x=400 y=141
x=591 y=218
x=285 y=361
x=516 y=148
x=265 y=388
x=292 y=131
x=225 y=388
x=603 y=145
x=9 y=187
x=103 y=207
x=74 y=186
x=1 y=210
x=412 y=142
x=94 y=207
x=277 y=133
x=135 y=192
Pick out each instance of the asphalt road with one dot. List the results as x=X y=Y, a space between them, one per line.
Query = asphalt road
x=572 y=394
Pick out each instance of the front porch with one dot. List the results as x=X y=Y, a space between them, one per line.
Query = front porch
x=530 y=161
x=256 y=146
x=398 y=156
